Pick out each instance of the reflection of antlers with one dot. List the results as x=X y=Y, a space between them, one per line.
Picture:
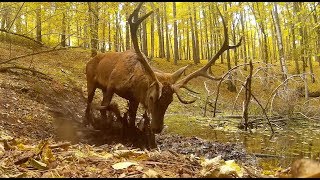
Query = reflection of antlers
x=203 y=71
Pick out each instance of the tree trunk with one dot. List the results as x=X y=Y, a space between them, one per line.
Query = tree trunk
x=188 y=43
x=93 y=10
x=315 y=17
x=109 y=32
x=162 y=32
x=116 y=35
x=167 y=33
x=152 y=33
x=127 y=28
x=197 y=56
x=160 y=39
x=38 y=17
x=175 y=34
x=302 y=51
x=206 y=34
x=192 y=38
x=144 y=37
x=63 y=33
x=280 y=44
x=244 y=41
x=103 y=47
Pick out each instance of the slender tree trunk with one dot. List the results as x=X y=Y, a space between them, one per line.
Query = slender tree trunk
x=144 y=37
x=109 y=32
x=152 y=33
x=127 y=28
x=162 y=32
x=227 y=24
x=38 y=17
x=302 y=51
x=244 y=41
x=175 y=34
x=193 y=38
x=160 y=39
x=293 y=40
x=103 y=48
x=280 y=44
x=63 y=34
x=234 y=41
x=309 y=56
x=188 y=43
x=167 y=33
x=206 y=34
x=315 y=17
x=116 y=35
x=93 y=10
x=197 y=56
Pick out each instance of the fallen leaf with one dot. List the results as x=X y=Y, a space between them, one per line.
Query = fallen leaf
x=230 y=169
x=122 y=175
x=5 y=137
x=123 y=165
x=38 y=164
x=20 y=175
x=103 y=155
x=151 y=174
x=2 y=150
x=47 y=155
x=139 y=168
x=211 y=167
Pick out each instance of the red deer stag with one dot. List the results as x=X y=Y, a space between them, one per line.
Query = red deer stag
x=129 y=75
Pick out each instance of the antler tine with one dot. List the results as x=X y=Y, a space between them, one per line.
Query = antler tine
x=204 y=70
x=134 y=22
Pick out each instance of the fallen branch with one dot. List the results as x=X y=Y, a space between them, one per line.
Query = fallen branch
x=3 y=69
x=41 y=52
x=60 y=145
x=26 y=37
x=267 y=155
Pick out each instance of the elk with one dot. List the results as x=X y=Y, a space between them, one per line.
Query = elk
x=129 y=75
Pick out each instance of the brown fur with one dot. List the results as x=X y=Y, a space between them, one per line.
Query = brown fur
x=123 y=74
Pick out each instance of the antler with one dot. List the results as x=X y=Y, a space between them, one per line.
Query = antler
x=134 y=22
x=204 y=70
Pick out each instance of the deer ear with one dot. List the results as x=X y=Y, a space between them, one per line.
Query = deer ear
x=176 y=75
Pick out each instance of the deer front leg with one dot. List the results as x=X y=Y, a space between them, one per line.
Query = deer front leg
x=88 y=116
x=107 y=97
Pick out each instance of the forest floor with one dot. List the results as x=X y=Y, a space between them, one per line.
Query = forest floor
x=42 y=135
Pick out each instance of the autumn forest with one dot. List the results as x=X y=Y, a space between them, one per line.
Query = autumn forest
x=159 y=89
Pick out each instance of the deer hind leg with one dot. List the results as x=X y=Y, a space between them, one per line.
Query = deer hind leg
x=107 y=97
x=133 y=107
x=91 y=88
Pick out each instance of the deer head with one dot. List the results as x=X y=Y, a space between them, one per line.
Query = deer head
x=160 y=93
